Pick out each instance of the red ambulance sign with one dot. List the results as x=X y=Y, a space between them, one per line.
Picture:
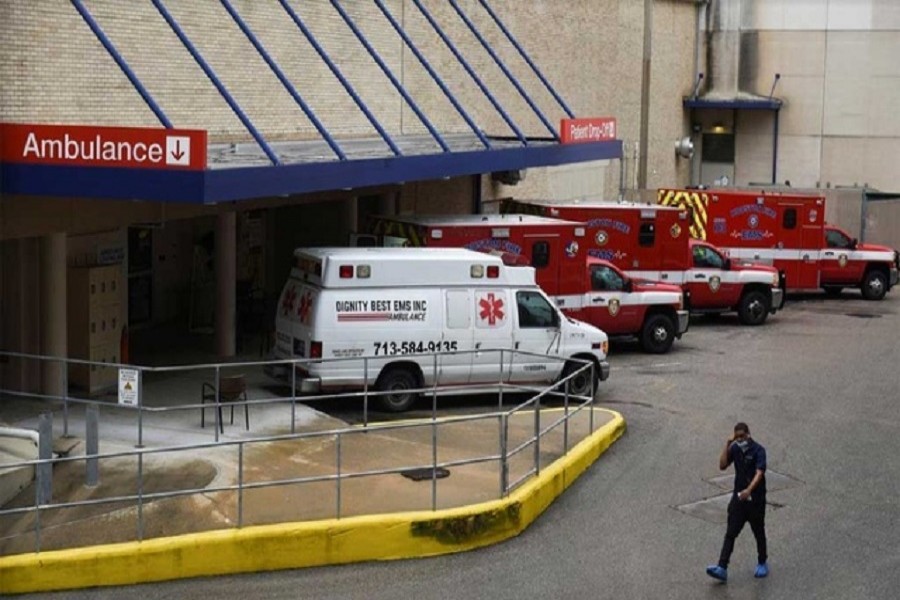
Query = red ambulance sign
x=580 y=131
x=89 y=146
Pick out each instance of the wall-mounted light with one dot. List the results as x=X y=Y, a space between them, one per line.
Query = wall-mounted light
x=684 y=147
x=719 y=128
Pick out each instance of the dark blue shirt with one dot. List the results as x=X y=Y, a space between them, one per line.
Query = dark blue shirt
x=746 y=462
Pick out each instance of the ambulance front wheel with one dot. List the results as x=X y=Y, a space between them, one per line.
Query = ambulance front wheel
x=874 y=285
x=658 y=333
x=398 y=383
x=585 y=382
x=754 y=307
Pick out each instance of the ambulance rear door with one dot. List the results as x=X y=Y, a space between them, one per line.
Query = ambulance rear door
x=544 y=252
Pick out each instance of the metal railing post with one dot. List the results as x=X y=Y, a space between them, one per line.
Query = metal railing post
x=338 y=478
x=434 y=382
x=566 y=420
x=500 y=405
x=140 y=407
x=591 y=405
x=218 y=405
x=240 y=506
x=504 y=459
x=140 y=496
x=37 y=520
x=293 y=396
x=366 y=391
x=434 y=460
x=44 y=470
x=65 y=395
x=92 y=444
x=537 y=436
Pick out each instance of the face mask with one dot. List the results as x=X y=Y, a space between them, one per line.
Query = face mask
x=743 y=444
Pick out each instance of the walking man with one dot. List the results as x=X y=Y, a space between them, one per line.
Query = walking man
x=748 y=501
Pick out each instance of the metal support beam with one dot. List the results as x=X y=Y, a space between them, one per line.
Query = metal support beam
x=307 y=110
x=437 y=78
x=390 y=75
x=120 y=60
x=505 y=70
x=527 y=58
x=214 y=79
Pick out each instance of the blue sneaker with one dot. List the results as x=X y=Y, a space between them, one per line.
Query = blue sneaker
x=761 y=570
x=717 y=572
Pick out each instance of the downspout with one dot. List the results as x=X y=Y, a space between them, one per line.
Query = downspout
x=645 y=96
x=699 y=45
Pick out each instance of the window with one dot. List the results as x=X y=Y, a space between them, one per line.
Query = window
x=647 y=235
x=836 y=239
x=604 y=279
x=458 y=309
x=707 y=258
x=718 y=148
x=540 y=255
x=535 y=311
x=790 y=218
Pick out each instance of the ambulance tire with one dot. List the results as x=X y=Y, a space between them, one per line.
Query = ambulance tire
x=397 y=379
x=657 y=334
x=754 y=307
x=581 y=384
x=874 y=285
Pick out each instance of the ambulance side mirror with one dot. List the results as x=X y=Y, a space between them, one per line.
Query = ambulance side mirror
x=727 y=264
x=629 y=285
x=854 y=243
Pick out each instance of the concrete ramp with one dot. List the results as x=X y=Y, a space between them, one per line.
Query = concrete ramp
x=16 y=445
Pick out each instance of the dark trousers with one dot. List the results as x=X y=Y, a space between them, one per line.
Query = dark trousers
x=740 y=512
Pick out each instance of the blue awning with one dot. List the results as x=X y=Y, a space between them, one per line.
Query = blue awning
x=242 y=172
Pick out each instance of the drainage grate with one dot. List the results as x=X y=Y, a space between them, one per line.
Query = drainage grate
x=426 y=473
x=863 y=315
x=715 y=509
x=775 y=481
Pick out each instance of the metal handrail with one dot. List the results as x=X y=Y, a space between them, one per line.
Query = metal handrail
x=502 y=457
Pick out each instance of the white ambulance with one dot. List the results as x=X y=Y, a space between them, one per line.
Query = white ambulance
x=394 y=306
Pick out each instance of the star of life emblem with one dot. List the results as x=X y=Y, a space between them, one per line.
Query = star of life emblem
x=490 y=309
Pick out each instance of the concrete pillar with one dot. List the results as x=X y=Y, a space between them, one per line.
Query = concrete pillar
x=387 y=203
x=226 y=282
x=53 y=311
x=351 y=215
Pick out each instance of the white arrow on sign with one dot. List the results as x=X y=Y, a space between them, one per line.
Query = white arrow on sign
x=178 y=150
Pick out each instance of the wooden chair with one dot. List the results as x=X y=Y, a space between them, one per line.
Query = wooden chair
x=232 y=388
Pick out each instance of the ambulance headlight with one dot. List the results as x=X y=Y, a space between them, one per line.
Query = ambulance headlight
x=680 y=301
x=775 y=281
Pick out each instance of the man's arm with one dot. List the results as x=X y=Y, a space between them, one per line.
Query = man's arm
x=757 y=477
x=725 y=457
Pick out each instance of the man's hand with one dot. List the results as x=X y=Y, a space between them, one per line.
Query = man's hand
x=743 y=495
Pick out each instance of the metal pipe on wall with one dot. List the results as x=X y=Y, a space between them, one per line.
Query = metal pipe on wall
x=645 y=94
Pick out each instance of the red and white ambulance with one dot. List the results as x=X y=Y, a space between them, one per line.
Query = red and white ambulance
x=788 y=231
x=587 y=288
x=652 y=242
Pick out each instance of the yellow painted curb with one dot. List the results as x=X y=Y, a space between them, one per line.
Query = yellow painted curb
x=307 y=544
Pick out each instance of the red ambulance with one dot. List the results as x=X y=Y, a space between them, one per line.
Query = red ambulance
x=586 y=288
x=653 y=242
x=788 y=231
